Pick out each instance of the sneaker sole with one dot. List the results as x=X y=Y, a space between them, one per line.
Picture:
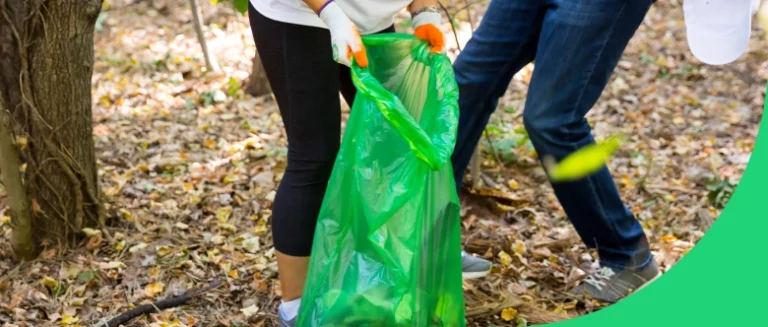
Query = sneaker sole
x=474 y=275
x=649 y=282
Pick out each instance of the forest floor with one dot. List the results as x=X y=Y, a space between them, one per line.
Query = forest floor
x=189 y=165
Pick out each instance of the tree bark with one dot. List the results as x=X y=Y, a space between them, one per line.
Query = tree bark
x=22 y=242
x=46 y=64
x=210 y=61
x=258 y=84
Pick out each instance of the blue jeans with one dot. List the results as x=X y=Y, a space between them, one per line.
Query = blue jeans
x=576 y=44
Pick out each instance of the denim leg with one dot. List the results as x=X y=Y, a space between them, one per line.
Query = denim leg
x=580 y=44
x=503 y=44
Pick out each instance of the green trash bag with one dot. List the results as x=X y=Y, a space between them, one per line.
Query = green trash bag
x=387 y=247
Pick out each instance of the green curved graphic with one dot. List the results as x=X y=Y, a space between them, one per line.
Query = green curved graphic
x=723 y=280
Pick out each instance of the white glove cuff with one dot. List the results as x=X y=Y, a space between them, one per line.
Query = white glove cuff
x=426 y=18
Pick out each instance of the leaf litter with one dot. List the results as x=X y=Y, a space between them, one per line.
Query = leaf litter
x=189 y=163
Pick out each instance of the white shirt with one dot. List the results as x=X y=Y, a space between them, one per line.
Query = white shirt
x=370 y=16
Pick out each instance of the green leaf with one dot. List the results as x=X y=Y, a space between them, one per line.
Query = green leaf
x=583 y=162
x=85 y=276
x=240 y=5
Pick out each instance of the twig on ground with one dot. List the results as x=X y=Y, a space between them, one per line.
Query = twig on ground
x=159 y=305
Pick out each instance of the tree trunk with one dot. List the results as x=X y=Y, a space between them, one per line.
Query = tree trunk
x=258 y=84
x=46 y=64
x=22 y=241
x=210 y=61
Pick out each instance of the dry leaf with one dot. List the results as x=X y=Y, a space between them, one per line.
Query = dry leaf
x=153 y=289
x=223 y=213
x=49 y=282
x=69 y=320
x=250 y=311
x=163 y=250
x=508 y=314
x=505 y=259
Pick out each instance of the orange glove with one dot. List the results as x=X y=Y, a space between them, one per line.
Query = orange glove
x=345 y=38
x=426 y=28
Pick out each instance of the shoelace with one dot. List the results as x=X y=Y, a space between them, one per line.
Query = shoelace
x=599 y=278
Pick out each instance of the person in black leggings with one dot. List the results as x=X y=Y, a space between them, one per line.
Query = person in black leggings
x=306 y=83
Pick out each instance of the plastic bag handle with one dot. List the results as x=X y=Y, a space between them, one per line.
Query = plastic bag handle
x=396 y=114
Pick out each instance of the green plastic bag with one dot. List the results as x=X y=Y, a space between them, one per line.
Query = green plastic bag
x=387 y=246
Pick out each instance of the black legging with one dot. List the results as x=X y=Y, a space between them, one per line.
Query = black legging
x=306 y=82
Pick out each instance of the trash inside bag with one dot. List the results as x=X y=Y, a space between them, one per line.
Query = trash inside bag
x=387 y=250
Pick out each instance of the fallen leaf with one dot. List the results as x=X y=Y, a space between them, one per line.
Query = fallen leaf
x=163 y=250
x=505 y=259
x=233 y=274
x=90 y=232
x=250 y=311
x=49 y=282
x=223 y=213
x=137 y=247
x=508 y=314
x=153 y=289
x=120 y=245
x=519 y=247
x=252 y=245
x=68 y=320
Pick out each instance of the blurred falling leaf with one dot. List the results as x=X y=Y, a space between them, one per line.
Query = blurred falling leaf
x=508 y=314
x=583 y=162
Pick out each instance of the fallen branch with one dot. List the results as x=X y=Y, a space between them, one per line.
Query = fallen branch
x=158 y=306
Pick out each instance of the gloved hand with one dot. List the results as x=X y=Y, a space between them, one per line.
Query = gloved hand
x=345 y=37
x=426 y=28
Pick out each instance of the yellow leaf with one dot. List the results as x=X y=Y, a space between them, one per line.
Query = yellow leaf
x=153 y=289
x=762 y=18
x=137 y=247
x=49 y=282
x=505 y=259
x=163 y=250
x=508 y=314
x=68 y=320
x=513 y=184
x=519 y=247
x=120 y=245
x=5 y=220
x=211 y=144
x=116 y=265
x=228 y=227
x=194 y=199
x=126 y=214
x=77 y=302
x=233 y=274
x=22 y=142
x=582 y=162
x=222 y=214
x=668 y=238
